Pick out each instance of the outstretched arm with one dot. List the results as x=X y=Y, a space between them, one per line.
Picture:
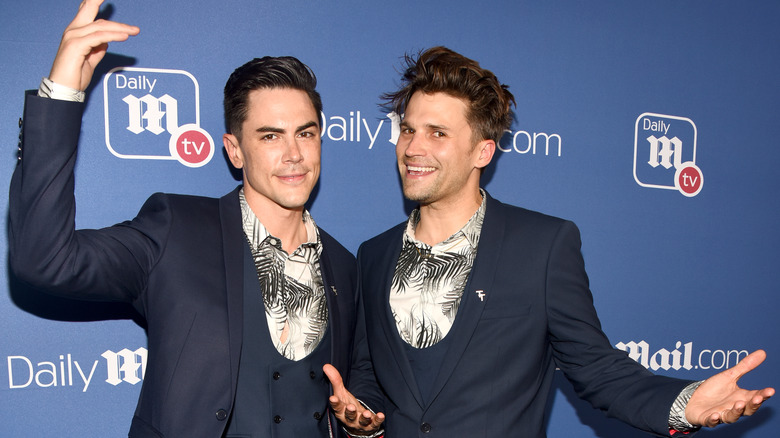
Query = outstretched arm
x=719 y=399
x=83 y=45
x=45 y=251
x=356 y=418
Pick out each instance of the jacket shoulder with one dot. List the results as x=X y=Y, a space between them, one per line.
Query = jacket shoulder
x=521 y=214
x=183 y=205
x=383 y=240
x=508 y=222
x=333 y=246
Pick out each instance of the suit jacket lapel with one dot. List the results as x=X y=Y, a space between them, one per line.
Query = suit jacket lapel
x=381 y=280
x=476 y=293
x=331 y=296
x=232 y=249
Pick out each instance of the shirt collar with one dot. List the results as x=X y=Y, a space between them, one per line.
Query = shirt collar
x=257 y=234
x=470 y=231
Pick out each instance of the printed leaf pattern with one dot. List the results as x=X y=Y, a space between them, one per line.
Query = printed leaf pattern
x=428 y=283
x=292 y=289
x=298 y=303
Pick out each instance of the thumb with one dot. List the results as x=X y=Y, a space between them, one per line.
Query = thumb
x=749 y=363
x=334 y=376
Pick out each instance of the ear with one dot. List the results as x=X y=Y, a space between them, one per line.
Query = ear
x=486 y=150
x=233 y=150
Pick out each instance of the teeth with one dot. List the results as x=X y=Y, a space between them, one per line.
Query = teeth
x=419 y=169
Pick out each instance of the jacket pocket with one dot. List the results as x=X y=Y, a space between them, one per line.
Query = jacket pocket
x=511 y=311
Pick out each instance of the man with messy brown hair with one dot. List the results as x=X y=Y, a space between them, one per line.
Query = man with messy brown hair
x=464 y=347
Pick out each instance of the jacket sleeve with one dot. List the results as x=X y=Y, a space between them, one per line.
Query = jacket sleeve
x=362 y=382
x=601 y=374
x=45 y=250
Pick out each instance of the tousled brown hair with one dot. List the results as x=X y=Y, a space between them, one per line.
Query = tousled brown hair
x=441 y=70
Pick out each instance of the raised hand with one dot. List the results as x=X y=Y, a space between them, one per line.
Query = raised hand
x=83 y=45
x=356 y=418
x=719 y=399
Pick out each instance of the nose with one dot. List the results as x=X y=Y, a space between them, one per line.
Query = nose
x=412 y=145
x=292 y=153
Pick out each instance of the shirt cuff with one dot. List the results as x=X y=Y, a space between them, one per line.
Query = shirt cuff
x=677 y=420
x=56 y=91
x=378 y=434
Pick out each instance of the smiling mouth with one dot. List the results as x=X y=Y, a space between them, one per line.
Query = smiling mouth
x=292 y=178
x=419 y=170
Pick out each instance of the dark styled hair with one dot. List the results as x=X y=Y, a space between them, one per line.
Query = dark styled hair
x=266 y=72
x=440 y=69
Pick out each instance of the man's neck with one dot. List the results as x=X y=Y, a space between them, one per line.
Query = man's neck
x=283 y=223
x=440 y=220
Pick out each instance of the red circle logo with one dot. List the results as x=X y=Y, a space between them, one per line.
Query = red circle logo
x=192 y=146
x=689 y=179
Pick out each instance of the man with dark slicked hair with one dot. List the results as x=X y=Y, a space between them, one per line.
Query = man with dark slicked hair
x=245 y=299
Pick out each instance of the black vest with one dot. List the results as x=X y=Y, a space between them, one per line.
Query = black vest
x=276 y=397
x=424 y=363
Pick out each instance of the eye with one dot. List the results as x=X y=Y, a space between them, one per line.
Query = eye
x=407 y=131
x=439 y=134
x=269 y=137
x=307 y=134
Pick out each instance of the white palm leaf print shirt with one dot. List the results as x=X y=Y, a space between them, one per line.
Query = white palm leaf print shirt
x=292 y=289
x=429 y=280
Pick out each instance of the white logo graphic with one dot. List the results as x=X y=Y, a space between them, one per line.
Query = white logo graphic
x=665 y=154
x=126 y=365
x=677 y=359
x=22 y=372
x=143 y=107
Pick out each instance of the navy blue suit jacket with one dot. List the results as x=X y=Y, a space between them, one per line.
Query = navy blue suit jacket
x=536 y=313
x=179 y=263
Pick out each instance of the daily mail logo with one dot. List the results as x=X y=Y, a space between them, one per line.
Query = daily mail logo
x=154 y=114
x=665 y=154
x=125 y=365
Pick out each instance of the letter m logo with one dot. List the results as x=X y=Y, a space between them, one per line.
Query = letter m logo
x=663 y=146
x=639 y=351
x=145 y=109
x=665 y=149
x=148 y=111
x=126 y=365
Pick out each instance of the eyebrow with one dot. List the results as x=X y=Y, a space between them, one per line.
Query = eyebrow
x=276 y=130
x=431 y=126
x=305 y=126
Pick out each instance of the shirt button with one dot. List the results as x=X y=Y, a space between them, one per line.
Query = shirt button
x=277 y=375
x=425 y=427
x=20 y=122
x=317 y=416
x=221 y=415
x=277 y=419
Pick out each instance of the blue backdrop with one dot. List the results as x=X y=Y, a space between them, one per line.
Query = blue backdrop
x=652 y=125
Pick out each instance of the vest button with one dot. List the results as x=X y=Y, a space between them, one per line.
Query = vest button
x=277 y=419
x=277 y=375
x=425 y=427
x=317 y=416
x=221 y=415
x=313 y=375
